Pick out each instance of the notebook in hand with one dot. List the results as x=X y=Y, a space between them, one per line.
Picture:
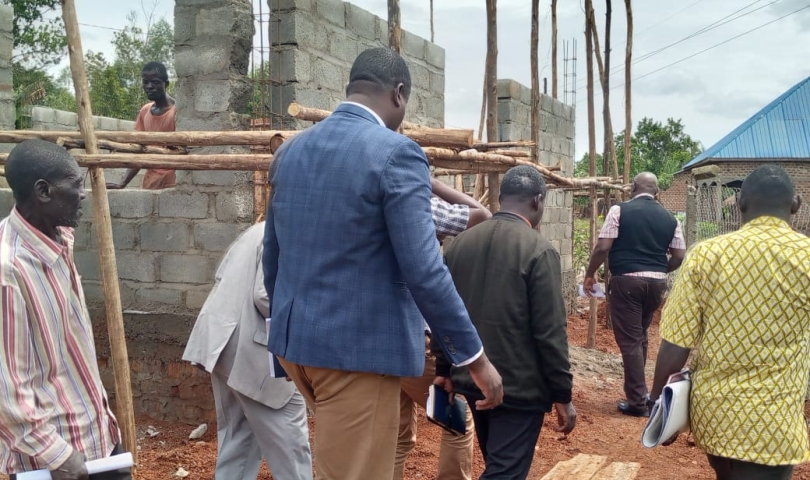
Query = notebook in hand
x=670 y=414
x=451 y=417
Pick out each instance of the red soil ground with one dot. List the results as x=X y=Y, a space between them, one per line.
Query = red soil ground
x=601 y=430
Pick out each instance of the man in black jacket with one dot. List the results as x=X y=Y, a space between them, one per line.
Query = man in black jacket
x=637 y=235
x=509 y=278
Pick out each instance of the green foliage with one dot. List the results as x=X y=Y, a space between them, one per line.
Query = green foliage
x=35 y=88
x=707 y=230
x=660 y=148
x=39 y=35
x=582 y=244
x=260 y=79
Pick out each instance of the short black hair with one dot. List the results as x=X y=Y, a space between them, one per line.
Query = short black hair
x=380 y=67
x=158 y=67
x=768 y=187
x=523 y=183
x=34 y=160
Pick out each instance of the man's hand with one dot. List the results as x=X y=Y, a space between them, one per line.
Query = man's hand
x=447 y=385
x=72 y=469
x=587 y=286
x=114 y=186
x=489 y=381
x=566 y=417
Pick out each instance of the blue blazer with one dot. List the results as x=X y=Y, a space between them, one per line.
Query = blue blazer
x=351 y=256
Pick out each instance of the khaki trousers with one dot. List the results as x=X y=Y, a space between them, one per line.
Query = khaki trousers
x=356 y=421
x=455 y=453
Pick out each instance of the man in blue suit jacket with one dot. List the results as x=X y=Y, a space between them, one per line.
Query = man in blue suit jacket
x=352 y=266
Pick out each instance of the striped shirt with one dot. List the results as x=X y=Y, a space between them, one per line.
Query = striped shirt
x=52 y=400
x=610 y=229
x=449 y=219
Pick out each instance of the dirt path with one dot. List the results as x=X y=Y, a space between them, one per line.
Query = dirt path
x=601 y=430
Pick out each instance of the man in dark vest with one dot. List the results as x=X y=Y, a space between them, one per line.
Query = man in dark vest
x=636 y=238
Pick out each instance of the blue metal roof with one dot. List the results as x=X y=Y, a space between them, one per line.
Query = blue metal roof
x=781 y=130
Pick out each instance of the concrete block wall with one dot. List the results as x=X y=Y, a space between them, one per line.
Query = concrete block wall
x=319 y=40
x=556 y=148
x=49 y=119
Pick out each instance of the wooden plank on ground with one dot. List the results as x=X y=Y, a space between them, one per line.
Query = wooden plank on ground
x=581 y=467
x=618 y=471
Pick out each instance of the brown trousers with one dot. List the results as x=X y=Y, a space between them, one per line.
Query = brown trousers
x=356 y=421
x=455 y=452
x=633 y=301
x=731 y=469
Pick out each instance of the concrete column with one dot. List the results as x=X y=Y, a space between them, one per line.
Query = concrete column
x=213 y=39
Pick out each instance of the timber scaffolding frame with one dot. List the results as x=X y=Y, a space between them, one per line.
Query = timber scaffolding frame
x=451 y=152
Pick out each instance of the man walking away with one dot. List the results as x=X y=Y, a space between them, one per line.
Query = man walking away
x=509 y=277
x=257 y=415
x=637 y=235
x=353 y=271
x=742 y=301
x=54 y=412
x=156 y=116
x=453 y=212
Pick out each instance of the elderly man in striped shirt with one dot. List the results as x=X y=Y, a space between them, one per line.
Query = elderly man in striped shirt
x=54 y=412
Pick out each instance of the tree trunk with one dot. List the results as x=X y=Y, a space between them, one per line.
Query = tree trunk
x=609 y=155
x=535 y=66
x=628 y=125
x=394 y=26
x=492 y=96
x=589 y=52
x=432 y=32
x=106 y=249
x=554 y=48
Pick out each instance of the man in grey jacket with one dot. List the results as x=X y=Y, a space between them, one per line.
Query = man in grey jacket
x=257 y=414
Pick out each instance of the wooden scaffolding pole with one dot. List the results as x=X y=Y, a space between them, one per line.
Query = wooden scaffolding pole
x=628 y=125
x=432 y=32
x=554 y=48
x=591 y=158
x=106 y=249
x=394 y=26
x=182 y=139
x=535 y=66
x=609 y=155
x=491 y=75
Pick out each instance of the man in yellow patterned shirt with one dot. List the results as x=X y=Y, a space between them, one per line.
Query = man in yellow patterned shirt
x=743 y=301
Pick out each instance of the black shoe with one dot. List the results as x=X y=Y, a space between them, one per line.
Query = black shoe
x=626 y=409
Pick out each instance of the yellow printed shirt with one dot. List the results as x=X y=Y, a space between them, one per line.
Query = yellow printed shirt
x=743 y=301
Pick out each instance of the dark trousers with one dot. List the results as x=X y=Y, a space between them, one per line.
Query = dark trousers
x=633 y=300
x=507 y=438
x=731 y=469
x=124 y=474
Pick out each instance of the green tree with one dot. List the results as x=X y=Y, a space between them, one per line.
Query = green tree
x=34 y=87
x=39 y=34
x=660 y=148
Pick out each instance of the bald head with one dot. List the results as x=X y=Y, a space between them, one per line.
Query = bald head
x=645 y=182
x=768 y=190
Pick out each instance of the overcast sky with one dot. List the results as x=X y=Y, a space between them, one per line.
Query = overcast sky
x=712 y=92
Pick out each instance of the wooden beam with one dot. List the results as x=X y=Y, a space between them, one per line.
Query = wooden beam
x=554 y=48
x=233 y=162
x=106 y=249
x=491 y=76
x=425 y=136
x=591 y=343
x=432 y=32
x=483 y=147
x=628 y=125
x=122 y=147
x=181 y=139
x=394 y=26
x=534 y=61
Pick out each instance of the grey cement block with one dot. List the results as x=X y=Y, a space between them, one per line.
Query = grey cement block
x=216 y=237
x=220 y=178
x=413 y=46
x=6 y=18
x=185 y=24
x=303 y=5
x=66 y=118
x=125 y=235
x=547 y=104
x=344 y=48
x=294 y=66
x=435 y=55
x=183 y=205
x=196 y=3
x=212 y=96
x=81 y=236
x=202 y=60
x=312 y=97
x=165 y=237
x=136 y=266
x=159 y=296
x=508 y=88
x=420 y=76
x=437 y=83
x=234 y=206
x=87 y=264
x=110 y=124
x=6 y=202
x=381 y=31
x=195 y=299
x=215 y=21
x=361 y=22
x=129 y=203
x=193 y=269
x=43 y=115
x=567 y=263
x=332 y=11
x=327 y=75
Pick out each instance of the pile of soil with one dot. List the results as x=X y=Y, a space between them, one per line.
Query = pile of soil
x=600 y=430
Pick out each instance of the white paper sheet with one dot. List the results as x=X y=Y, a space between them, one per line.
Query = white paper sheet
x=599 y=291
x=116 y=462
